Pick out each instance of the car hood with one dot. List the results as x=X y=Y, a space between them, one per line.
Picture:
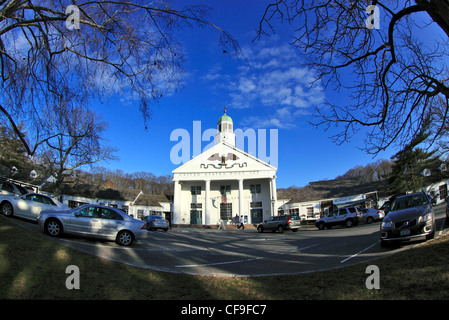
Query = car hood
x=409 y=213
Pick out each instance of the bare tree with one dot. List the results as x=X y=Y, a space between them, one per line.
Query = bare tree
x=75 y=140
x=54 y=51
x=392 y=76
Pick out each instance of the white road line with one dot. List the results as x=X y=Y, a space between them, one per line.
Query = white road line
x=356 y=254
x=236 y=261
x=216 y=264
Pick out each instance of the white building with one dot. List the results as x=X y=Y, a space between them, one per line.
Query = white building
x=223 y=182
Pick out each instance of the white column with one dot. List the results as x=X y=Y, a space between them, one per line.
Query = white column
x=273 y=196
x=207 y=203
x=241 y=197
x=177 y=203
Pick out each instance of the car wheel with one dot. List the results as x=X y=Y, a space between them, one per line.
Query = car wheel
x=260 y=229
x=165 y=230
x=369 y=220
x=349 y=223
x=53 y=228
x=321 y=226
x=280 y=229
x=7 y=209
x=124 y=238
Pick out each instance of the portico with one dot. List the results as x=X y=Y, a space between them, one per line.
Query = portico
x=223 y=182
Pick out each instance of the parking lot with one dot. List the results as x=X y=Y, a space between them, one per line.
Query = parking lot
x=232 y=253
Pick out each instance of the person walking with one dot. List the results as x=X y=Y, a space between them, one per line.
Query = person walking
x=241 y=223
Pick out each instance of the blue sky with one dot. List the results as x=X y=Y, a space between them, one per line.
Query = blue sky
x=268 y=90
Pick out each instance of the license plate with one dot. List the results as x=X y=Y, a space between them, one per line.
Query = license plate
x=405 y=232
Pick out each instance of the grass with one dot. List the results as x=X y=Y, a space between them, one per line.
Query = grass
x=32 y=266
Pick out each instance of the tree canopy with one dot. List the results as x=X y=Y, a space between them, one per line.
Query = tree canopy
x=389 y=58
x=61 y=52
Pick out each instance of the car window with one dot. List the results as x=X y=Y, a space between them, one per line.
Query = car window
x=109 y=214
x=32 y=197
x=46 y=200
x=7 y=187
x=333 y=213
x=22 y=190
x=352 y=209
x=294 y=218
x=342 y=212
x=365 y=210
x=409 y=201
x=89 y=212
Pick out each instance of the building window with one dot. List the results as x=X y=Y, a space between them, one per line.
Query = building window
x=310 y=212
x=256 y=204
x=140 y=214
x=195 y=190
x=125 y=209
x=293 y=211
x=75 y=204
x=196 y=206
x=225 y=189
x=226 y=211
x=255 y=188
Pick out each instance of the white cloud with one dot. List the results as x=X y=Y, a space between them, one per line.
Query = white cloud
x=273 y=84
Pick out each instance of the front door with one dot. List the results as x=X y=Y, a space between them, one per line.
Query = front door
x=196 y=217
x=256 y=215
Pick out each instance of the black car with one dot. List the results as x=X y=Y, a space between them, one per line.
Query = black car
x=410 y=216
x=281 y=223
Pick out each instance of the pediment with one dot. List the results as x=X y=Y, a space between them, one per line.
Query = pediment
x=224 y=158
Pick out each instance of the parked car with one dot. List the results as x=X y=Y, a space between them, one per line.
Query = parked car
x=28 y=206
x=281 y=223
x=410 y=216
x=12 y=189
x=156 y=222
x=369 y=215
x=347 y=217
x=91 y=220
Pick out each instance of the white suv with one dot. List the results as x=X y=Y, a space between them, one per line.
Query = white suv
x=347 y=217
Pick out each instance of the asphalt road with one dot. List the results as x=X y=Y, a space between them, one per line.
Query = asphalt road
x=232 y=253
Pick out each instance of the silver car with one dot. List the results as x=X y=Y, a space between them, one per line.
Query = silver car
x=156 y=222
x=28 y=206
x=369 y=215
x=92 y=220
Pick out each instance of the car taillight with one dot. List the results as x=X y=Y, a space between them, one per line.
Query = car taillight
x=144 y=226
x=289 y=221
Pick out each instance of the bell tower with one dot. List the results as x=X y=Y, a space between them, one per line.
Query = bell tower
x=225 y=130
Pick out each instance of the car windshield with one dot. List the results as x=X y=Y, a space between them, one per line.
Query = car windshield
x=409 y=201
